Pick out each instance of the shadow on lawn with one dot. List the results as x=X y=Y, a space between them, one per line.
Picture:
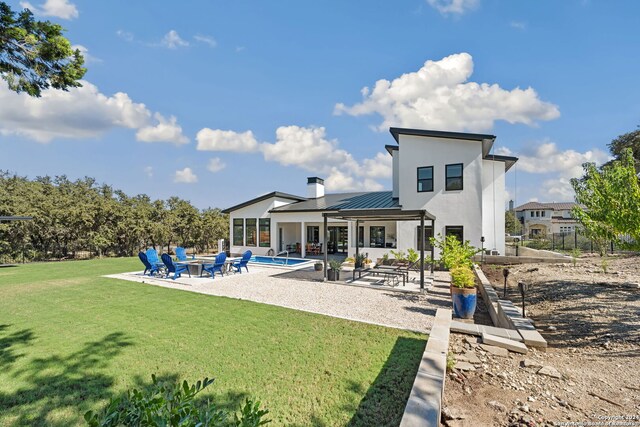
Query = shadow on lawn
x=9 y=344
x=384 y=402
x=57 y=382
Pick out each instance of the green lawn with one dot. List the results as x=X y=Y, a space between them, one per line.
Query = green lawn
x=70 y=339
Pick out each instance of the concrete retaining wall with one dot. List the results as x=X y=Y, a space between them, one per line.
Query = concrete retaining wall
x=425 y=401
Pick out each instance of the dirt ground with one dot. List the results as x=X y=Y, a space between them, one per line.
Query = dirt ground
x=591 y=321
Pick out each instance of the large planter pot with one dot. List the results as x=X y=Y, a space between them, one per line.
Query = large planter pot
x=333 y=275
x=464 y=302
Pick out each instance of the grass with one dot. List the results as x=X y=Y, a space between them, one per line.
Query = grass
x=71 y=339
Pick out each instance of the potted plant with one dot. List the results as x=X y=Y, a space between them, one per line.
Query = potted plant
x=359 y=260
x=334 y=270
x=318 y=266
x=463 y=291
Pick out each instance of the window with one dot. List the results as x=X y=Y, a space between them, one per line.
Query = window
x=428 y=232
x=542 y=214
x=250 y=237
x=537 y=214
x=531 y=214
x=455 y=230
x=264 y=233
x=425 y=179
x=453 y=177
x=238 y=232
x=376 y=237
x=361 y=236
x=313 y=234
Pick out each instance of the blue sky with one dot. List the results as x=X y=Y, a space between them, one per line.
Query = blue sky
x=218 y=102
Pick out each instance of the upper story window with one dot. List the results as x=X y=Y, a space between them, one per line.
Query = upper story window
x=425 y=179
x=532 y=214
x=542 y=214
x=453 y=177
x=537 y=214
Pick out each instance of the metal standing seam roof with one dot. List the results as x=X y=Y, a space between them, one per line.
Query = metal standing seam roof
x=341 y=201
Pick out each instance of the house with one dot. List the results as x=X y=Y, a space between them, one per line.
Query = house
x=541 y=219
x=446 y=181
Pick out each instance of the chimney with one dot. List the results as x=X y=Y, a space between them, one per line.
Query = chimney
x=510 y=205
x=315 y=187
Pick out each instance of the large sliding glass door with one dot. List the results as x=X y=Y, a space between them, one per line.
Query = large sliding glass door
x=338 y=240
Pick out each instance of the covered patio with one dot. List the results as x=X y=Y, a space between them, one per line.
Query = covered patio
x=384 y=214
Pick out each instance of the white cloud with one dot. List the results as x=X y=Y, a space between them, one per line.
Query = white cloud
x=167 y=130
x=172 y=40
x=125 y=35
x=378 y=167
x=226 y=140
x=149 y=171
x=439 y=96
x=518 y=25
x=82 y=112
x=559 y=165
x=240 y=49
x=206 y=40
x=457 y=7
x=88 y=58
x=58 y=8
x=185 y=176
x=216 y=165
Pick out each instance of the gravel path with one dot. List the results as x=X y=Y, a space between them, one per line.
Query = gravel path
x=284 y=288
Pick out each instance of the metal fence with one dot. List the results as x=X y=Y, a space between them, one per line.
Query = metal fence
x=568 y=242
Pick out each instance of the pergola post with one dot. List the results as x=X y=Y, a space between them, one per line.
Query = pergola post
x=326 y=252
x=422 y=250
x=357 y=239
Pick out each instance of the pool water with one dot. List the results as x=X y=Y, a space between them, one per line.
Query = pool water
x=278 y=260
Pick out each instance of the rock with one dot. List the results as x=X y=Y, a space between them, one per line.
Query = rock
x=453 y=414
x=552 y=328
x=549 y=371
x=472 y=341
x=524 y=408
x=496 y=351
x=472 y=358
x=528 y=363
x=497 y=406
x=465 y=366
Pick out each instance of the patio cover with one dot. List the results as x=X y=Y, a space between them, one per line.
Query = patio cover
x=394 y=214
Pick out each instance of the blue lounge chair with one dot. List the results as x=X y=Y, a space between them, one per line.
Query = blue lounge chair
x=152 y=269
x=181 y=253
x=242 y=262
x=172 y=267
x=152 y=257
x=218 y=265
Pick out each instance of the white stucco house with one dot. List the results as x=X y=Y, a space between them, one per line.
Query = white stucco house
x=449 y=181
x=540 y=219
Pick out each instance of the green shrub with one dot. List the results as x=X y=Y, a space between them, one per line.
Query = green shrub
x=462 y=277
x=335 y=265
x=413 y=256
x=399 y=256
x=575 y=254
x=171 y=404
x=454 y=253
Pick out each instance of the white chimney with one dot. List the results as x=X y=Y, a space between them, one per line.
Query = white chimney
x=315 y=187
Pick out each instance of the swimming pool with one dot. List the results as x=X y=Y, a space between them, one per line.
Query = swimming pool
x=289 y=262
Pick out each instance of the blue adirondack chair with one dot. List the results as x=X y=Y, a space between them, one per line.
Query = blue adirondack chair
x=181 y=253
x=242 y=262
x=152 y=269
x=152 y=257
x=218 y=265
x=173 y=267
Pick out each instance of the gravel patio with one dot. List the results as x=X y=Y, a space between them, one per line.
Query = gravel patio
x=304 y=290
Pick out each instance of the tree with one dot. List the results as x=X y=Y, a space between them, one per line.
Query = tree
x=34 y=55
x=628 y=140
x=609 y=202
x=511 y=223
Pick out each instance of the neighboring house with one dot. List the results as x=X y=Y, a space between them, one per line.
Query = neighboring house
x=448 y=180
x=541 y=219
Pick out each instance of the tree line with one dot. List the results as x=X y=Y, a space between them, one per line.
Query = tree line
x=84 y=216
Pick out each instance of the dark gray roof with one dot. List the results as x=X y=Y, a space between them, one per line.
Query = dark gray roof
x=340 y=201
x=555 y=206
x=264 y=197
x=486 y=139
x=508 y=160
